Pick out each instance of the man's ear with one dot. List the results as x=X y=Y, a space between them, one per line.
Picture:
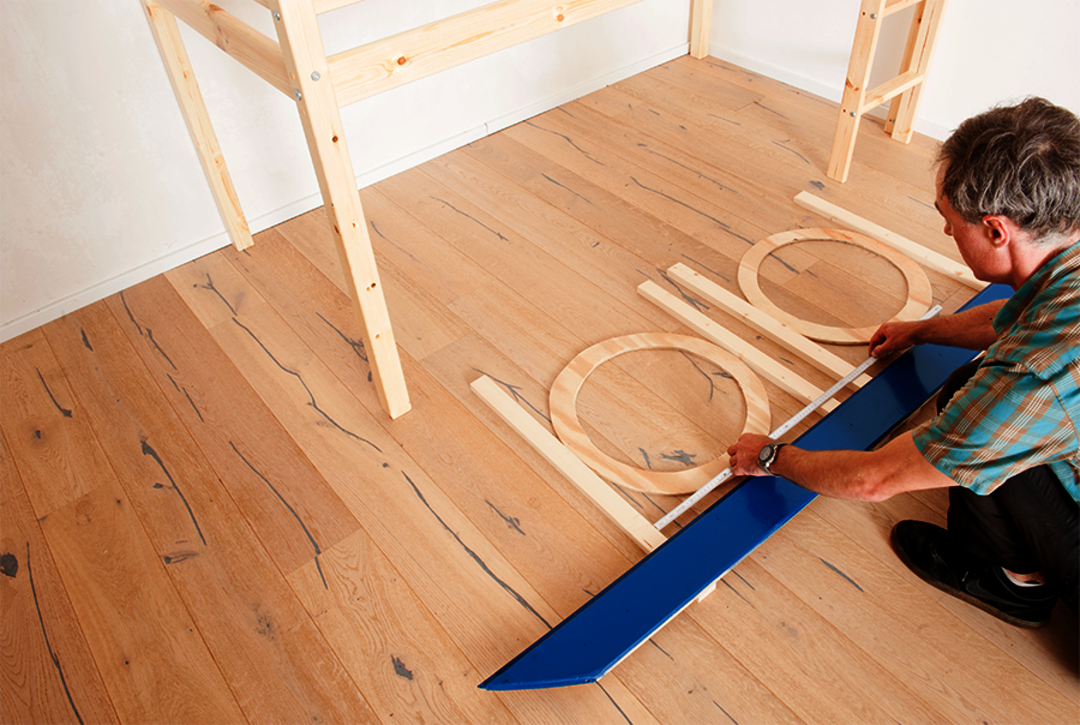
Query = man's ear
x=999 y=229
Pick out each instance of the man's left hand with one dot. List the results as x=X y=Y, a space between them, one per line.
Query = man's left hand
x=744 y=454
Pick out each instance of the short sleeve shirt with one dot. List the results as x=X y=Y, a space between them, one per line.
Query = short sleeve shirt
x=1021 y=409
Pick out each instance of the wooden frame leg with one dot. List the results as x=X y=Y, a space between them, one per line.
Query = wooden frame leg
x=305 y=61
x=867 y=31
x=182 y=77
x=922 y=37
x=700 y=27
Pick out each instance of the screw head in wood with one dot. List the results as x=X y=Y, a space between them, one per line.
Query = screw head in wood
x=315 y=75
x=873 y=16
x=277 y=15
x=296 y=92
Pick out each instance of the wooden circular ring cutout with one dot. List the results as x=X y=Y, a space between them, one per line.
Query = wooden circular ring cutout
x=919 y=292
x=567 y=385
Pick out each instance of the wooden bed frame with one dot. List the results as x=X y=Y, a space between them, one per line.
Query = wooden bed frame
x=297 y=65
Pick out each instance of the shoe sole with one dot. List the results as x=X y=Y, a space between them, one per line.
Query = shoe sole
x=961 y=595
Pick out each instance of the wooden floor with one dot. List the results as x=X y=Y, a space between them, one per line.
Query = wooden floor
x=206 y=517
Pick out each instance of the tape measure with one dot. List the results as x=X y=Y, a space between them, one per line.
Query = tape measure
x=791 y=423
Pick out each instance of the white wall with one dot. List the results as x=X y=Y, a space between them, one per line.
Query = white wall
x=988 y=52
x=100 y=187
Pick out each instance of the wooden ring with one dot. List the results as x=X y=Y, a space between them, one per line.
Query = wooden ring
x=567 y=385
x=919 y=292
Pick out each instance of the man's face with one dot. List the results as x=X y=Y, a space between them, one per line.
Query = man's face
x=973 y=240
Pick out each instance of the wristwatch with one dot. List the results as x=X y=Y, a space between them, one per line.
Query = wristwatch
x=767 y=455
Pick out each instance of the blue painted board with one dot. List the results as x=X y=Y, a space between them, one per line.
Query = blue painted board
x=595 y=638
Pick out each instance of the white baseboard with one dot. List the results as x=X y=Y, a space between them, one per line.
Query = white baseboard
x=810 y=85
x=162 y=264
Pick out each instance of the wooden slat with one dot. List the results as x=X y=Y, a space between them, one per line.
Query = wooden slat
x=807 y=349
x=912 y=249
x=305 y=59
x=768 y=368
x=922 y=39
x=634 y=524
x=890 y=89
x=893 y=6
x=391 y=62
x=700 y=27
x=255 y=51
x=182 y=77
x=867 y=30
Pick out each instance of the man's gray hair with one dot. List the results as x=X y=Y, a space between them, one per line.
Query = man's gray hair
x=1022 y=162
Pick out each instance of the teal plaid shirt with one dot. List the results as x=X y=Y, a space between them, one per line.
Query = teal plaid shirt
x=1021 y=409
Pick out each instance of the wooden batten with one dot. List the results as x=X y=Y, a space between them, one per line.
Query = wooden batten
x=391 y=62
x=255 y=51
x=636 y=526
x=890 y=89
x=700 y=27
x=767 y=325
x=894 y=6
x=916 y=251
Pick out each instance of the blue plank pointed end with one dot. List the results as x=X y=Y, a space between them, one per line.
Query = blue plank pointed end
x=595 y=638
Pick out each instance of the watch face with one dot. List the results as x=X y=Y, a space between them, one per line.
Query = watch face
x=765 y=455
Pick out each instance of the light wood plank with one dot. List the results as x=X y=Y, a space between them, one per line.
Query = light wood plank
x=391 y=62
x=252 y=49
x=772 y=371
x=306 y=62
x=634 y=524
x=913 y=249
x=809 y=351
x=182 y=77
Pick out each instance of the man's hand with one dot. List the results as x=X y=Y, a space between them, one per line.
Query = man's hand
x=894 y=337
x=744 y=454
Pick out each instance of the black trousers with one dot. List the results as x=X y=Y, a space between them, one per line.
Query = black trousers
x=1029 y=523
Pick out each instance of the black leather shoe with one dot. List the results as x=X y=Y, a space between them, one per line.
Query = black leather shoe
x=928 y=551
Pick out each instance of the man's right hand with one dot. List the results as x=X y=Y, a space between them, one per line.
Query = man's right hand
x=894 y=337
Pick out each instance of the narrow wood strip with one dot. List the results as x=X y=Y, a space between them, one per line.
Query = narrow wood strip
x=634 y=524
x=768 y=368
x=391 y=62
x=700 y=27
x=893 y=6
x=890 y=89
x=182 y=77
x=767 y=325
x=252 y=49
x=919 y=253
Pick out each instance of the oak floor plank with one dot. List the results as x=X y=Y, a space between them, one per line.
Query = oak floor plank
x=446 y=560
x=49 y=672
x=260 y=637
x=45 y=428
x=879 y=611
x=286 y=502
x=152 y=659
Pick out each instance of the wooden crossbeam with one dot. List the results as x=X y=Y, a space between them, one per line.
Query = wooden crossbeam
x=399 y=59
x=254 y=50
